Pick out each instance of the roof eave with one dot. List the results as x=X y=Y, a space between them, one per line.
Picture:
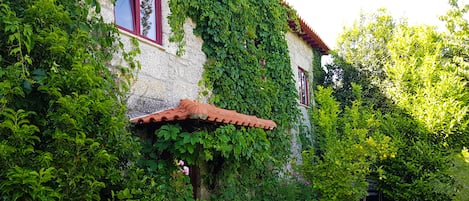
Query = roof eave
x=307 y=33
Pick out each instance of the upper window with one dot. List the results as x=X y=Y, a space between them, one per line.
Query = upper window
x=303 y=89
x=140 y=17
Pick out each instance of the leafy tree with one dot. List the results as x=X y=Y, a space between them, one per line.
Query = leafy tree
x=365 y=45
x=62 y=106
x=457 y=44
x=416 y=76
x=348 y=144
x=456 y=53
x=361 y=54
x=416 y=67
x=423 y=84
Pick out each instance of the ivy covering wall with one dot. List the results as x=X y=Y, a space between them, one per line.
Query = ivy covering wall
x=238 y=36
x=247 y=70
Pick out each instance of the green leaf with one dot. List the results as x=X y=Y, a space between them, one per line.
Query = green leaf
x=124 y=194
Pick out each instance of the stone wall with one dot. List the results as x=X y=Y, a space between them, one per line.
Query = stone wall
x=164 y=78
x=301 y=55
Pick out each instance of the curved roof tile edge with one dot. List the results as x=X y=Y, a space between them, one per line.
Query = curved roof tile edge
x=188 y=109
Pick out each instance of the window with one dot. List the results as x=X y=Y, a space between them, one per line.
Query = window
x=303 y=86
x=140 y=17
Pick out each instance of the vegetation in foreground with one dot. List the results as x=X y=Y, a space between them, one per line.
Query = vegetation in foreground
x=394 y=112
x=394 y=109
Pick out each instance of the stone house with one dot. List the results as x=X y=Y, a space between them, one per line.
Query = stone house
x=165 y=78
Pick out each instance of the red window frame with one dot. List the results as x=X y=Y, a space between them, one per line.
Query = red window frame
x=303 y=88
x=135 y=4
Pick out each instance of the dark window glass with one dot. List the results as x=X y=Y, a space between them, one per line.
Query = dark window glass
x=303 y=87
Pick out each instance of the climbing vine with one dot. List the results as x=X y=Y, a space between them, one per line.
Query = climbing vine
x=63 y=125
x=248 y=66
x=318 y=73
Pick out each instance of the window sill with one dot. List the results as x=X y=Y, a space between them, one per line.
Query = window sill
x=141 y=39
x=306 y=106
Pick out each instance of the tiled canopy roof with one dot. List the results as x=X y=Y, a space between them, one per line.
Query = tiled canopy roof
x=188 y=109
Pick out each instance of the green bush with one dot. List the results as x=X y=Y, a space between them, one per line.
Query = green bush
x=347 y=145
x=63 y=129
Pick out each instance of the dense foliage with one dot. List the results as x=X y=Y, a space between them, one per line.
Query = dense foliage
x=224 y=146
x=62 y=109
x=347 y=145
x=416 y=77
x=319 y=75
x=63 y=129
x=248 y=70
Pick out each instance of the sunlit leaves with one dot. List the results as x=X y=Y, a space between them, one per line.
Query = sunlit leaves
x=347 y=145
x=422 y=82
x=62 y=115
x=417 y=67
x=422 y=72
x=364 y=46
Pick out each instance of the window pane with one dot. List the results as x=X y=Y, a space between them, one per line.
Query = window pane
x=303 y=87
x=148 y=19
x=123 y=13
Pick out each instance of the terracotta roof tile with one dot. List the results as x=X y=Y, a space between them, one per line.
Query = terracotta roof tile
x=188 y=109
x=310 y=36
x=307 y=33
